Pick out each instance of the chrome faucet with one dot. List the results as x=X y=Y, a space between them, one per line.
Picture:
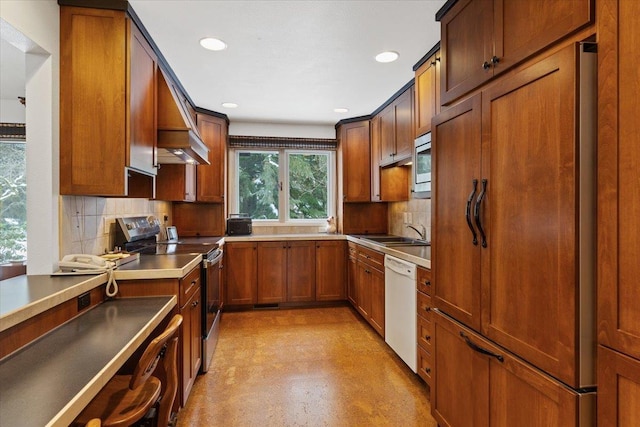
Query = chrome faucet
x=423 y=233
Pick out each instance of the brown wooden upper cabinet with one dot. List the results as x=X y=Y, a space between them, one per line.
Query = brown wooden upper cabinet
x=202 y=183
x=356 y=161
x=521 y=179
x=483 y=38
x=427 y=94
x=396 y=129
x=211 y=178
x=176 y=183
x=107 y=127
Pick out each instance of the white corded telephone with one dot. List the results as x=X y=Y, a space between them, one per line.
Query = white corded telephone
x=85 y=263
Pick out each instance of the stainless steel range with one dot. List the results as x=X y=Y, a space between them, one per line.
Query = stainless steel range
x=140 y=234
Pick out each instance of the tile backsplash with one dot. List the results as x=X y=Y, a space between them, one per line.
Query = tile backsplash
x=87 y=223
x=420 y=212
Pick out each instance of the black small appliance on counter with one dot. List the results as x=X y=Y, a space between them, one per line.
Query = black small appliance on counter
x=239 y=225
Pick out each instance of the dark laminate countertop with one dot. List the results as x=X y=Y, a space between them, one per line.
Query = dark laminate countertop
x=52 y=379
x=23 y=297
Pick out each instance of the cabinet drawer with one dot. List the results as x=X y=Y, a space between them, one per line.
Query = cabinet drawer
x=371 y=257
x=353 y=249
x=188 y=285
x=424 y=305
x=424 y=280
x=425 y=334
x=424 y=365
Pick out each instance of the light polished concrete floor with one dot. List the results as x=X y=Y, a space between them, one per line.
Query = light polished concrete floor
x=305 y=367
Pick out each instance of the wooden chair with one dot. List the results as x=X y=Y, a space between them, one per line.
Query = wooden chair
x=125 y=399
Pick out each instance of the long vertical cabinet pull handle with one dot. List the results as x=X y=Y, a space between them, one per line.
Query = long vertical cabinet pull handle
x=468 y=212
x=476 y=213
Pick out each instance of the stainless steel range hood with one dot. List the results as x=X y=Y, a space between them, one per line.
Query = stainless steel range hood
x=178 y=138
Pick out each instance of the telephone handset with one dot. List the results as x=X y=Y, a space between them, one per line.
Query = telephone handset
x=84 y=263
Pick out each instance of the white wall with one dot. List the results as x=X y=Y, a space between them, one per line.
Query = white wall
x=11 y=111
x=34 y=28
x=282 y=130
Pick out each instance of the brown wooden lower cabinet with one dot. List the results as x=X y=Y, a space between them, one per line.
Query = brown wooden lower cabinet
x=618 y=389
x=272 y=272
x=189 y=306
x=301 y=271
x=331 y=270
x=285 y=271
x=366 y=285
x=424 y=330
x=476 y=383
x=241 y=260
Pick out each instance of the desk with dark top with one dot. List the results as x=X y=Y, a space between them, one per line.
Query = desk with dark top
x=51 y=380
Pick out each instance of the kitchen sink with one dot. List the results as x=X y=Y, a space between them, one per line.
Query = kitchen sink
x=396 y=241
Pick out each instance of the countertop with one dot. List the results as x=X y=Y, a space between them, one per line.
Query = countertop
x=276 y=237
x=158 y=267
x=23 y=297
x=51 y=380
x=419 y=255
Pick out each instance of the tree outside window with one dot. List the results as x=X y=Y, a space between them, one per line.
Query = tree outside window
x=13 y=201
x=267 y=186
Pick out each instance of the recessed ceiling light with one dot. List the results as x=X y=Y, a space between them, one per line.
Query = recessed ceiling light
x=341 y=110
x=388 y=56
x=229 y=105
x=212 y=44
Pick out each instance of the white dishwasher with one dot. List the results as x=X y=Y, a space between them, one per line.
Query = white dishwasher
x=400 y=309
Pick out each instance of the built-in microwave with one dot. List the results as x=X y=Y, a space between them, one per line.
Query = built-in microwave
x=422 y=167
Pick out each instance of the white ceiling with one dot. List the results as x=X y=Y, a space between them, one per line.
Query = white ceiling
x=291 y=61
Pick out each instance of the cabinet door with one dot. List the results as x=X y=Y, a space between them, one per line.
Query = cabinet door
x=199 y=219
x=618 y=176
x=466 y=44
x=376 y=289
x=92 y=134
x=618 y=389
x=526 y=27
x=363 y=290
x=530 y=308
x=176 y=183
x=210 y=187
x=460 y=380
x=375 y=159
x=241 y=259
x=356 y=161
x=404 y=125
x=331 y=269
x=425 y=96
x=142 y=103
x=352 y=281
x=272 y=272
x=478 y=384
x=191 y=343
x=387 y=134
x=301 y=271
x=456 y=255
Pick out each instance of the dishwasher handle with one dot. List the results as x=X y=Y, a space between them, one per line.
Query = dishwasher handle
x=400 y=267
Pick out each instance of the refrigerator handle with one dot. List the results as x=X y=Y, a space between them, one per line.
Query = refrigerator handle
x=479 y=349
x=476 y=213
x=468 y=212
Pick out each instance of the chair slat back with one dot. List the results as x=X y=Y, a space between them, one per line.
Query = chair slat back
x=149 y=360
